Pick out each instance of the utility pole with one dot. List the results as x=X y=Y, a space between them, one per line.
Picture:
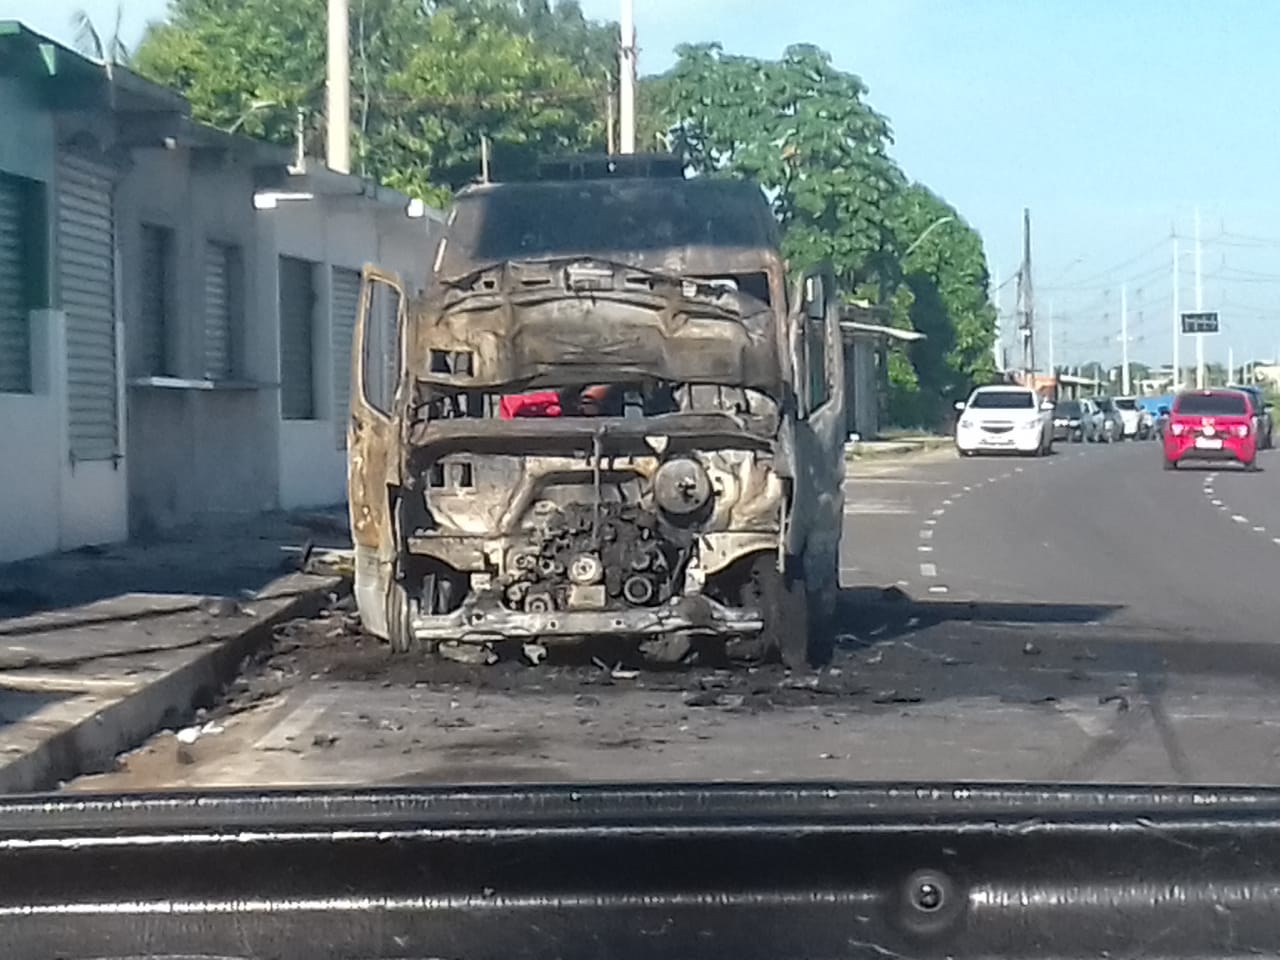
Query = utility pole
x=1199 y=307
x=1053 y=368
x=1231 y=364
x=338 y=91
x=1124 y=339
x=627 y=79
x=1026 y=301
x=1177 y=323
x=995 y=302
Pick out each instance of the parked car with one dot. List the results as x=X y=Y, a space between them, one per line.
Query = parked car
x=1110 y=427
x=1135 y=422
x=1152 y=407
x=1211 y=425
x=1008 y=419
x=1261 y=414
x=1068 y=421
x=1090 y=420
x=1162 y=420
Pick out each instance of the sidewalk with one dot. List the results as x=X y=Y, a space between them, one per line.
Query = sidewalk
x=895 y=446
x=100 y=647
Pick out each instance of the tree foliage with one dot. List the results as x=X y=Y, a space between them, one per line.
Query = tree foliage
x=804 y=131
x=428 y=80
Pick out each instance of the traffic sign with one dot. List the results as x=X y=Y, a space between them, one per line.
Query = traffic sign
x=1203 y=322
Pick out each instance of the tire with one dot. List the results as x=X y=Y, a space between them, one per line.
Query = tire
x=793 y=628
x=1170 y=464
x=1251 y=466
x=399 y=616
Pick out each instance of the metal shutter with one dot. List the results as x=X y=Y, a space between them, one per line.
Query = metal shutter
x=15 y=323
x=297 y=358
x=344 y=303
x=87 y=285
x=153 y=305
x=217 y=310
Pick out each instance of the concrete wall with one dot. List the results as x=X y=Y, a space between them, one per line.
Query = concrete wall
x=198 y=453
x=334 y=232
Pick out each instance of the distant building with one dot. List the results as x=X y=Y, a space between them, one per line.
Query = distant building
x=176 y=307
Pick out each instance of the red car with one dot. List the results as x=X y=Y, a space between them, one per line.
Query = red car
x=1211 y=425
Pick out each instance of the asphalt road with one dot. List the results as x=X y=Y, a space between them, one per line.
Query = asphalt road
x=1085 y=616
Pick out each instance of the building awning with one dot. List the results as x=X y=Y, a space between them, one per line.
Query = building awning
x=314 y=181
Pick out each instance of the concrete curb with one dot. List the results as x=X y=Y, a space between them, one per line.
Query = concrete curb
x=895 y=448
x=86 y=733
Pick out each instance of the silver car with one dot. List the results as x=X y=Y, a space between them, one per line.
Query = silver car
x=1104 y=422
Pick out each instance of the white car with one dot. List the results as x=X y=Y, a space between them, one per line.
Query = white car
x=1005 y=419
x=1135 y=420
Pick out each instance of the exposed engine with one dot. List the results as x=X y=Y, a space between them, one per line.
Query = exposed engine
x=609 y=554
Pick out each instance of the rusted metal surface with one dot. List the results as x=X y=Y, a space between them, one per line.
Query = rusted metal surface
x=620 y=871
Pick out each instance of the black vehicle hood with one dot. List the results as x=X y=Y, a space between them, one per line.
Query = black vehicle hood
x=620 y=871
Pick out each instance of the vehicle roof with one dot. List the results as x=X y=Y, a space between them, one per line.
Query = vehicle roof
x=702 y=225
x=1003 y=388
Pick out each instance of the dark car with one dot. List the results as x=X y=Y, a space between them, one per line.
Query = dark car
x=1068 y=421
x=1261 y=415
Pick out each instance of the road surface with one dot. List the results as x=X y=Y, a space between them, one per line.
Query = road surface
x=1084 y=617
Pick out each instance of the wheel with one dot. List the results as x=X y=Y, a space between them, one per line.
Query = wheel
x=1251 y=466
x=399 y=619
x=1170 y=464
x=793 y=627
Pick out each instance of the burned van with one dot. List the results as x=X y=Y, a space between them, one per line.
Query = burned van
x=609 y=413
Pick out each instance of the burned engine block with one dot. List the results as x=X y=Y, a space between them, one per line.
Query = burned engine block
x=597 y=556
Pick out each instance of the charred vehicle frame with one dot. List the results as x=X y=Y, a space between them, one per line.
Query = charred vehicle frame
x=607 y=415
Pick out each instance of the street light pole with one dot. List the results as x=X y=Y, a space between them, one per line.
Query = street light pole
x=927 y=230
x=338 y=90
x=627 y=79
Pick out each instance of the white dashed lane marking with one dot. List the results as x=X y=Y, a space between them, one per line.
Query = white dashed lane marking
x=1259 y=529
x=1240 y=519
x=928 y=570
x=932 y=521
x=938 y=589
x=926 y=534
x=939 y=512
x=925 y=548
x=1216 y=503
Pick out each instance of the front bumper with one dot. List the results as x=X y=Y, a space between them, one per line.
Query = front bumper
x=1013 y=441
x=483 y=620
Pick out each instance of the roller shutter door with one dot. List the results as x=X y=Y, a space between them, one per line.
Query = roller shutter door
x=345 y=301
x=218 y=265
x=87 y=288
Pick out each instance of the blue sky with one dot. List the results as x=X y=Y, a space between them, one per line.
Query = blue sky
x=1111 y=119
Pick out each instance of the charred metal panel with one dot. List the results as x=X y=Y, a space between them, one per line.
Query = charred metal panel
x=740 y=871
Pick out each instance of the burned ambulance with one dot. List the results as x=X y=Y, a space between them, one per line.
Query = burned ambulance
x=608 y=414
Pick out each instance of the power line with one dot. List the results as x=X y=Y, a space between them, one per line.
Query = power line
x=1109 y=271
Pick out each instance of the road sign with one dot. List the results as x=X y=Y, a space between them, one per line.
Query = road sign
x=1200 y=322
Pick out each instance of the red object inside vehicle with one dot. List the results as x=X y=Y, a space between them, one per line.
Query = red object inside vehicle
x=544 y=403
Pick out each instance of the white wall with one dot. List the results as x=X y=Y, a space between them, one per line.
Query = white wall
x=334 y=232
x=197 y=454
x=33 y=448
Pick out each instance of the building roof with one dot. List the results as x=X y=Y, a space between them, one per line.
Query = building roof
x=70 y=80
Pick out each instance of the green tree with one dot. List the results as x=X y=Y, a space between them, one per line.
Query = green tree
x=945 y=273
x=428 y=80
x=800 y=128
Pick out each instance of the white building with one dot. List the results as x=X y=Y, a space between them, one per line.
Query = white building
x=176 y=308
